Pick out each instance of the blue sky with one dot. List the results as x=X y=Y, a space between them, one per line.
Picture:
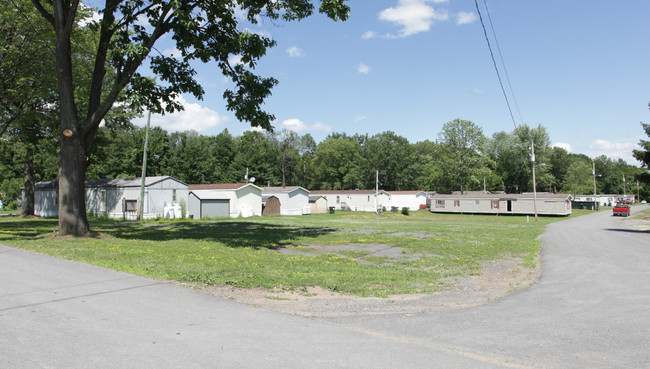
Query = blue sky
x=579 y=68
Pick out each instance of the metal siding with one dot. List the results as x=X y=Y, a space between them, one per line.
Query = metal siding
x=215 y=208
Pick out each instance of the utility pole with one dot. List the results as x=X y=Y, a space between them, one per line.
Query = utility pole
x=144 y=167
x=534 y=181
x=624 y=190
x=377 y=210
x=593 y=171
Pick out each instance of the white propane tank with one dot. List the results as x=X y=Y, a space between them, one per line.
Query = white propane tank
x=177 y=211
x=167 y=211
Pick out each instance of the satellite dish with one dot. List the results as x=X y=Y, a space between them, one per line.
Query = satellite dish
x=252 y=180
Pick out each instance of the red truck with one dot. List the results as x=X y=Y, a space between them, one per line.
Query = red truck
x=622 y=209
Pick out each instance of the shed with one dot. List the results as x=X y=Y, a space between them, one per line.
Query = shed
x=355 y=200
x=270 y=205
x=225 y=200
x=318 y=204
x=521 y=204
x=294 y=200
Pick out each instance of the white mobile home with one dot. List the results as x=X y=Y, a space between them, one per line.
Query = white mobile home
x=603 y=200
x=521 y=204
x=356 y=200
x=46 y=199
x=294 y=200
x=225 y=200
x=413 y=200
x=116 y=198
x=120 y=197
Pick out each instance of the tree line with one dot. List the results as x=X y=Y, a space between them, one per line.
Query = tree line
x=460 y=159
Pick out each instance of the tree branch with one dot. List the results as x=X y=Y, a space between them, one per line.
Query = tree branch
x=47 y=15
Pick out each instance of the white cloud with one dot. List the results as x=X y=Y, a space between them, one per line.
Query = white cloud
x=194 y=117
x=294 y=124
x=360 y=118
x=614 y=150
x=235 y=59
x=413 y=16
x=368 y=35
x=363 y=69
x=606 y=145
x=321 y=127
x=564 y=146
x=173 y=52
x=297 y=125
x=466 y=18
x=295 y=52
x=478 y=91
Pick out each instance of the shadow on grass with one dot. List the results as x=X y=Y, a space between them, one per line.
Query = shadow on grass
x=20 y=228
x=232 y=234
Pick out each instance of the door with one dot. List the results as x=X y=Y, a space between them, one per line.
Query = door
x=215 y=208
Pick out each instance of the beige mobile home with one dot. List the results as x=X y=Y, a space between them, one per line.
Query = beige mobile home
x=520 y=204
x=225 y=200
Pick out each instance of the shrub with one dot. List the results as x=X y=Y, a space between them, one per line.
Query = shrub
x=405 y=211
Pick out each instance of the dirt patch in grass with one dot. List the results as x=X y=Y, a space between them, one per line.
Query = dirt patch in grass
x=392 y=254
x=496 y=280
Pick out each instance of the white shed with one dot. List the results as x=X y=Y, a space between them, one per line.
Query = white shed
x=413 y=200
x=225 y=200
x=294 y=200
x=355 y=200
x=318 y=204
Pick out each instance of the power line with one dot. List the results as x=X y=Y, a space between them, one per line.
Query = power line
x=503 y=64
x=495 y=63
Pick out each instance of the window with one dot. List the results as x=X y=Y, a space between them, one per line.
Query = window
x=130 y=205
x=495 y=204
x=456 y=203
x=440 y=203
x=368 y=198
x=174 y=195
x=338 y=199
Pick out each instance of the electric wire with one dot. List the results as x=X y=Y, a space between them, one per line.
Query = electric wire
x=503 y=64
x=487 y=39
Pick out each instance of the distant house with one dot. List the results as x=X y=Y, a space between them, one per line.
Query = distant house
x=603 y=200
x=116 y=198
x=318 y=204
x=225 y=200
x=522 y=204
x=294 y=200
x=355 y=200
x=413 y=200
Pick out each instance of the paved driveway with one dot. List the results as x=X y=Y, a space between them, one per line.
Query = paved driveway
x=590 y=309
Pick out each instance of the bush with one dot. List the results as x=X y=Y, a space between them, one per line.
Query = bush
x=405 y=211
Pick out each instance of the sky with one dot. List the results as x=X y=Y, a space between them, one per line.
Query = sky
x=579 y=68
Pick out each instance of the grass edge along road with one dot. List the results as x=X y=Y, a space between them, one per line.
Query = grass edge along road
x=348 y=252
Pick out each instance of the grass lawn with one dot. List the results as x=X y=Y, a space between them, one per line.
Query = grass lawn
x=348 y=252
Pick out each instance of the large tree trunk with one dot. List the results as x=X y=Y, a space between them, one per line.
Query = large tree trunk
x=72 y=192
x=29 y=176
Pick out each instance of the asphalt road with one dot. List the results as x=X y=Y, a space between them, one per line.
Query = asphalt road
x=590 y=309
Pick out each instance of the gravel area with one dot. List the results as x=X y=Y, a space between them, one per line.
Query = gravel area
x=496 y=280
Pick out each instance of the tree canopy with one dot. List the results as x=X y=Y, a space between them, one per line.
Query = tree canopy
x=202 y=30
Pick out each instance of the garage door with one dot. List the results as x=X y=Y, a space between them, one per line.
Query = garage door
x=215 y=208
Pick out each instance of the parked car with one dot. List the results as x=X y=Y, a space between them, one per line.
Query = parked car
x=622 y=209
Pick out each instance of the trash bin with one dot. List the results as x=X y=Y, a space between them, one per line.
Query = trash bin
x=331 y=210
